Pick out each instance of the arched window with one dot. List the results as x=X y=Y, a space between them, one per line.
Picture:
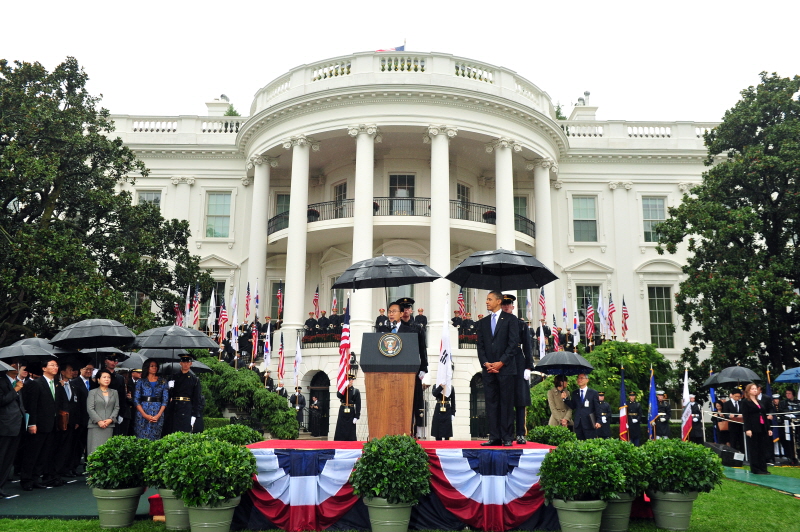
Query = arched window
x=320 y=388
x=478 y=427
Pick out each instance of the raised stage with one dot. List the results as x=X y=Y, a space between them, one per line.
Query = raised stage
x=304 y=486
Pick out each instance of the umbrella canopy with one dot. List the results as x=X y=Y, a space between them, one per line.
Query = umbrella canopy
x=6 y=367
x=790 y=375
x=102 y=352
x=563 y=362
x=134 y=361
x=45 y=344
x=174 y=337
x=162 y=355
x=384 y=272
x=501 y=269
x=731 y=376
x=25 y=351
x=171 y=368
x=93 y=333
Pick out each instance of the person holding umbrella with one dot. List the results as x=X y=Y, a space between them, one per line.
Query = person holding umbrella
x=400 y=315
x=498 y=342
x=560 y=414
x=732 y=411
x=184 y=399
x=524 y=362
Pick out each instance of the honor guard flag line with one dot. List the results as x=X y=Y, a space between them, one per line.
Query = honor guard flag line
x=576 y=332
x=298 y=359
x=268 y=346
x=187 y=308
x=625 y=317
x=589 y=321
x=462 y=310
x=652 y=413
x=344 y=352
x=542 y=305
x=196 y=307
x=444 y=374
x=686 y=418
x=234 y=322
x=212 y=312
x=611 y=310
x=315 y=302
x=556 y=343
x=281 y=362
x=624 y=433
x=223 y=320
x=247 y=300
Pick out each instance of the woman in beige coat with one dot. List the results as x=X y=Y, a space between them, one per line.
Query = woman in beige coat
x=103 y=407
x=560 y=413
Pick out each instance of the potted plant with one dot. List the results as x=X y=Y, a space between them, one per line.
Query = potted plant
x=637 y=471
x=313 y=215
x=681 y=470
x=236 y=434
x=490 y=216
x=578 y=478
x=115 y=474
x=175 y=512
x=391 y=476
x=210 y=476
x=555 y=435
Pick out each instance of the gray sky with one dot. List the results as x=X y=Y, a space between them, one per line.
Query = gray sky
x=678 y=61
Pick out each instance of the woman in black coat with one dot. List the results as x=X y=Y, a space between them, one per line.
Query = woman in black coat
x=757 y=429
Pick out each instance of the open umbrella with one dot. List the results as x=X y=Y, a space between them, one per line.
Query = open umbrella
x=93 y=333
x=6 y=367
x=501 y=269
x=563 y=363
x=790 y=375
x=162 y=355
x=102 y=352
x=171 y=368
x=24 y=351
x=383 y=272
x=134 y=361
x=45 y=344
x=174 y=337
x=731 y=375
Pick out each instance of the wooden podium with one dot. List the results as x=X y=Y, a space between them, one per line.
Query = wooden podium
x=390 y=362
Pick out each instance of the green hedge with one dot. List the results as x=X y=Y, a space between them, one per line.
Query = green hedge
x=214 y=422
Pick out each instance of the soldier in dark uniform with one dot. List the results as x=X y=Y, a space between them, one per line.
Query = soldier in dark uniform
x=349 y=412
x=524 y=362
x=791 y=406
x=184 y=399
x=407 y=325
x=634 y=419
x=336 y=322
x=456 y=320
x=420 y=319
x=605 y=417
x=662 y=420
x=696 y=434
x=382 y=322
x=269 y=384
x=298 y=402
x=323 y=323
x=310 y=326
x=467 y=325
x=280 y=390
x=443 y=411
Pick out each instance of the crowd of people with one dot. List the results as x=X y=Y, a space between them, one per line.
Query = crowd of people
x=54 y=413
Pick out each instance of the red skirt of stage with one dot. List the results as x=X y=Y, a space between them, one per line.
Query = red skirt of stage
x=304 y=486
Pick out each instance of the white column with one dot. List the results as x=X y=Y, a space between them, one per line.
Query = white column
x=544 y=210
x=363 y=216
x=257 y=253
x=439 y=139
x=504 y=191
x=296 y=243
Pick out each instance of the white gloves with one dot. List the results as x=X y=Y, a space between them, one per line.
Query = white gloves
x=634 y=420
x=355 y=420
x=527 y=375
x=453 y=419
x=193 y=420
x=422 y=375
x=297 y=408
x=171 y=384
x=119 y=419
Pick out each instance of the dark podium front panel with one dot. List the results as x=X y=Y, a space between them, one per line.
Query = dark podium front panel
x=390 y=353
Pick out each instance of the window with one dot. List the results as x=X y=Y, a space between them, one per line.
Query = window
x=218 y=214
x=520 y=209
x=150 y=196
x=584 y=214
x=520 y=308
x=396 y=292
x=653 y=213
x=462 y=196
x=219 y=294
x=273 y=299
x=585 y=294
x=661 y=327
x=139 y=302
x=401 y=186
x=339 y=195
x=339 y=296
x=281 y=203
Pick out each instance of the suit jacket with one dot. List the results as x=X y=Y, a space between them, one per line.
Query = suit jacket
x=411 y=327
x=753 y=416
x=99 y=410
x=558 y=408
x=69 y=403
x=581 y=413
x=82 y=393
x=502 y=346
x=41 y=405
x=11 y=409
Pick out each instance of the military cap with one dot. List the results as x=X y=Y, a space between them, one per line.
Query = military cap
x=187 y=358
x=508 y=299
x=660 y=392
x=405 y=302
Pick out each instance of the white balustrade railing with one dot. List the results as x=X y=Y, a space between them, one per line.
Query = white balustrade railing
x=700 y=131
x=529 y=91
x=650 y=132
x=228 y=124
x=331 y=70
x=473 y=71
x=404 y=63
x=154 y=126
x=582 y=130
x=280 y=86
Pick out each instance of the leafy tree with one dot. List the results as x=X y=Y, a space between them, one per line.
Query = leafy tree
x=231 y=111
x=741 y=226
x=71 y=246
x=560 y=112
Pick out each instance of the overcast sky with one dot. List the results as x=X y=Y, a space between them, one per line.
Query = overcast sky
x=678 y=61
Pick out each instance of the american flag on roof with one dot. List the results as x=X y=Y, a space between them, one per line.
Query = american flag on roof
x=395 y=49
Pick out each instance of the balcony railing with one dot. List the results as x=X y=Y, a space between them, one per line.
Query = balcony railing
x=329 y=339
x=459 y=210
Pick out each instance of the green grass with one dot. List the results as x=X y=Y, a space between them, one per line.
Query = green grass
x=732 y=507
x=793 y=472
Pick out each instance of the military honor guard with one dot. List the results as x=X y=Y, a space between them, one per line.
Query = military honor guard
x=349 y=412
x=605 y=416
x=662 y=420
x=443 y=412
x=791 y=407
x=634 y=419
x=696 y=434
x=310 y=326
x=184 y=399
x=420 y=319
x=382 y=322
x=298 y=402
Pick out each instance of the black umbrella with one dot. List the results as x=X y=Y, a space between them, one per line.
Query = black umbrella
x=174 y=337
x=6 y=367
x=563 y=363
x=501 y=269
x=103 y=352
x=134 y=361
x=93 y=333
x=383 y=272
x=732 y=375
x=162 y=355
x=25 y=351
x=45 y=344
x=175 y=367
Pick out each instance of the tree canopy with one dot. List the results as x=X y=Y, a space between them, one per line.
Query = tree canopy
x=742 y=229
x=71 y=245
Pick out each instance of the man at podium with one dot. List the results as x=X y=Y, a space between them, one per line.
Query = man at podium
x=402 y=322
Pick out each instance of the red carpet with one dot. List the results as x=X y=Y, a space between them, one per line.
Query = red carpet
x=319 y=444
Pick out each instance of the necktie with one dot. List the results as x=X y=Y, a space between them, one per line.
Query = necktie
x=52 y=389
x=494 y=322
x=394 y=327
x=69 y=392
x=87 y=383
x=581 y=396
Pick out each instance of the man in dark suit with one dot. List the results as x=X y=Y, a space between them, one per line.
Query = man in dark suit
x=524 y=361
x=81 y=384
x=67 y=401
x=12 y=421
x=498 y=342
x=585 y=405
x=40 y=403
x=732 y=411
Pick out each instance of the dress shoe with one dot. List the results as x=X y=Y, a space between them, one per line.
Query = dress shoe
x=492 y=443
x=54 y=482
x=36 y=485
x=521 y=440
x=3 y=495
x=508 y=443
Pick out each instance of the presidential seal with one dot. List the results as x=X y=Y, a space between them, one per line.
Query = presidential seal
x=390 y=345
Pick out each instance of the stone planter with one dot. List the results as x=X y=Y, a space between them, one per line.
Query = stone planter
x=213 y=519
x=617 y=514
x=388 y=517
x=580 y=515
x=175 y=512
x=672 y=511
x=117 y=508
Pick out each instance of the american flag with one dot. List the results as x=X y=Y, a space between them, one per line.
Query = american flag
x=247 y=299
x=254 y=333
x=268 y=346
x=281 y=361
x=234 y=321
x=395 y=49
x=223 y=320
x=280 y=299
x=589 y=319
x=187 y=312
x=625 y=317
x=624 y=433
x=178 y=316
x=196 y=308
x=462 y=310
x=611 y=310
x=542 y=304
x=344 y=352
x=556 y=344
x=315 y=301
